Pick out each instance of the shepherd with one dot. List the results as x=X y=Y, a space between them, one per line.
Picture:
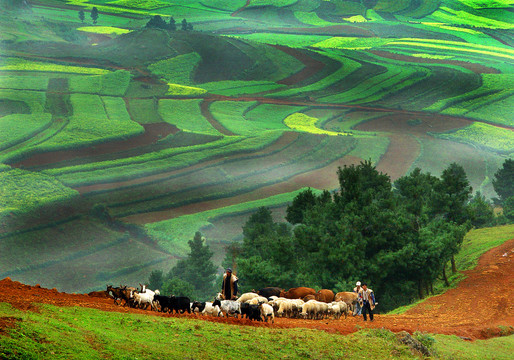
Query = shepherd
x=367 y=301
x=229 y=286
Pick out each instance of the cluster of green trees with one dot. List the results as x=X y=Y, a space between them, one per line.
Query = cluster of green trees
x=400 y=238
x=93 y=14
x=192 y=276
x=397 y=237
x=158 y=22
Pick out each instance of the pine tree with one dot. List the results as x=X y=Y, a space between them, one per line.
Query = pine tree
x=172 y=25
x=184 y=25
x=81 y=16
x=94 y=14
x=503 y=181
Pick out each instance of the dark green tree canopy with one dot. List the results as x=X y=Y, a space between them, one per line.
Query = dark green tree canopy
x=81 y=16
x=503 y=181
x=394 y=239
x=157 y=22
x=196 y=269
x=94 y=14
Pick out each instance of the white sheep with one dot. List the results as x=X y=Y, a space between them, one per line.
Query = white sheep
x=267 y=312
x=246 y=297
x=257 y=300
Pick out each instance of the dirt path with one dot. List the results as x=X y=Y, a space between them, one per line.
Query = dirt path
x=474 y=310
x=312 y=66
x=206 y=113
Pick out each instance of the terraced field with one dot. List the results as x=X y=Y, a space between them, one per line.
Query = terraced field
x=141 y=136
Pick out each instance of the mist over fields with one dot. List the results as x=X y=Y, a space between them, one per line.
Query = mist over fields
x=121 y=136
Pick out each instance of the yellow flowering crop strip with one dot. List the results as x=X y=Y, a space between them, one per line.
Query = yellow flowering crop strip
x=182 y=90
x=104 y=30
x=306 y=123
x=17 y=64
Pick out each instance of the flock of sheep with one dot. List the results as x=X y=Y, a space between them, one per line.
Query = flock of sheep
x=262 y=305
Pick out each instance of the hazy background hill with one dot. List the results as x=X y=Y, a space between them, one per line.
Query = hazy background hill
x=118 y=142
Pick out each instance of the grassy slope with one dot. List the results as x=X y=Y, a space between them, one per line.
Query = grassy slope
x=80 y=333
x=476 y=243
x=416 y=29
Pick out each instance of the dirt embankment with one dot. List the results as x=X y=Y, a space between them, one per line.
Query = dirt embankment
x=476 y=309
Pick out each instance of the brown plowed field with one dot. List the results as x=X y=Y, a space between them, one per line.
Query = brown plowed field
x=153 y=133
x=322 y=178
x=475 y=309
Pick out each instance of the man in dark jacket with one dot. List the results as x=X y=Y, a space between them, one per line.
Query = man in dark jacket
x=229 y=286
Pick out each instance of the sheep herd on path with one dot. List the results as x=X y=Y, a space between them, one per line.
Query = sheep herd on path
x=262 y=305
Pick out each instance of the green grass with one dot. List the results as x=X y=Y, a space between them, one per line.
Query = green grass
x=483 y=135
x=114 y=83
x=374 y=88
x=18 y=64
x=35 y=100
x=234 y=88
x=83 y=333
x=140 y=4
x=276 y=3
x=291 y=40
x=94 y=120
x=455 y=348
x=174 y=234
x=447 y=15
x=270 y=116
x=162 y=161
x=311 y=18
x=230 y=5
x=186 y=115
x=177 y=70
x=230 y=115
x=16 y=82
x=28 y=191
x=19 y=127
x=351 y=43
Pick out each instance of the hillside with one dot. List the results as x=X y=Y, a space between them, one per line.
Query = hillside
x=118 y=142
x=38 y=320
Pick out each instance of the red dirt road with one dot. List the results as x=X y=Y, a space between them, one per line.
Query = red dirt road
x=475 y=309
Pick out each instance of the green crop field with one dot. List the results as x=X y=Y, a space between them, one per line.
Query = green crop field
x=186 y=115
x=176 y=131
x=484 y=135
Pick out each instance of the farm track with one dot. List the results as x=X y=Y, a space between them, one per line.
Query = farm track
x=206 y=112
x=475 y=309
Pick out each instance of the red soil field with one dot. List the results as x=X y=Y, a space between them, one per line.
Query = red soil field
x=323 y=178
x=402 y=151
x=286 y=138
x=312 y=66
x=476 y=309
x=153 y=133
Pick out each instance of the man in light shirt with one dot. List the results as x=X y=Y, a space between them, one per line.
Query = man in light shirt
x=367 y=301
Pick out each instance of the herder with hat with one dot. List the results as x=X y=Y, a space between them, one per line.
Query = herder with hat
x=229 y=286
